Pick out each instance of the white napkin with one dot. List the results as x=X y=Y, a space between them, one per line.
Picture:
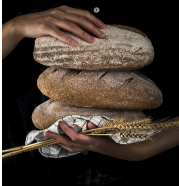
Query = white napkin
x=78 y=123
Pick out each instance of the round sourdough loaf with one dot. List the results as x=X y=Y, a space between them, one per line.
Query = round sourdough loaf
x=122 y=48
x=101 y=89
x=50 y=111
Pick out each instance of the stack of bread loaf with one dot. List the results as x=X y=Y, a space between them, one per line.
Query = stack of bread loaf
x=98 y=79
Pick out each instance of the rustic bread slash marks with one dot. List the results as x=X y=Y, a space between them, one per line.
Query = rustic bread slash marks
x=101 y=89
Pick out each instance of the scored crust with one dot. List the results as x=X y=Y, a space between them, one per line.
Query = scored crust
x=102 y=89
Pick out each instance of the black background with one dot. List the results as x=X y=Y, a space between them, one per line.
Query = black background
x=21 y=96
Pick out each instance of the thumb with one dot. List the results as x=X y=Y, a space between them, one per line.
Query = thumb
x=91 y=125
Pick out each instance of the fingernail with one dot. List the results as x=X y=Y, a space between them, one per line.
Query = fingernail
x=60 y=124
x=90 y=38
x=101 y=33
x=103 y=25
x=45 y=134
x=74 y=42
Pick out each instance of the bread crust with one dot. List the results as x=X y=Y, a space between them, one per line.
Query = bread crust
x=47 y=113
x=101 y=89
x=122 y=48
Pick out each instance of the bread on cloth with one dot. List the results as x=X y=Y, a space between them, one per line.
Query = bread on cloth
x=101 y=89
x=47 y=113
x=122 y=48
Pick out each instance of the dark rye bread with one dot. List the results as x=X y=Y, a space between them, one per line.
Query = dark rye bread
x=50 y=111
x=101 y=89
x=122 y=48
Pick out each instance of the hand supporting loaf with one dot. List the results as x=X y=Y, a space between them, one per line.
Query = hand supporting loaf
x=75 y=142
x=48 y=22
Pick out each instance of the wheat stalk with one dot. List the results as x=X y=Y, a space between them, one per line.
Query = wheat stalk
x=129 y=135
x=13 y=149
x=141 y=125
x=48 y=142
x=30 y=147
x=118 y=125
x=125 y=129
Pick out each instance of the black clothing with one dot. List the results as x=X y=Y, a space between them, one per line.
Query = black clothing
x=21 y=96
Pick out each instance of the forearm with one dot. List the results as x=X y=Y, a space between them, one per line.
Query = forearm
x=109 y=147
x=10 y=37
x=139 y=151
x=162 y=141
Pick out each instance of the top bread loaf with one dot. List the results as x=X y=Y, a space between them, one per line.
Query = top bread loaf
x=122 y=48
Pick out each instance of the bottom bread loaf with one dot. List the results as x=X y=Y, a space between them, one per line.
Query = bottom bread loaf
x=47 y=113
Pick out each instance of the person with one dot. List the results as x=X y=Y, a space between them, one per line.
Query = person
x=50 y=22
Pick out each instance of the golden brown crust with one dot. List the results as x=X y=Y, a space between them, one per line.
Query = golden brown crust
x=118 y=90
x=47 y=113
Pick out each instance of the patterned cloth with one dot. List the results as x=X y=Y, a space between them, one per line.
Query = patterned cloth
x=77 y=123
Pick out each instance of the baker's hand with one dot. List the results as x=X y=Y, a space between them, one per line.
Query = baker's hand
x=50 y=21
x=75 y=142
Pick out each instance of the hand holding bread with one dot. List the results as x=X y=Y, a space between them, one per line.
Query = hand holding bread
x=123 y=48
x=53 y=21
x=75 y=142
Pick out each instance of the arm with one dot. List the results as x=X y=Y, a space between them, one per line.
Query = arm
x=10 y=38
x=48 y=23
x=75 y=142
x=142 y=150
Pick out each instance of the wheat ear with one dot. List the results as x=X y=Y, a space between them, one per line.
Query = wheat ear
x=133 y=135
x=142 y=124
x=118 y=125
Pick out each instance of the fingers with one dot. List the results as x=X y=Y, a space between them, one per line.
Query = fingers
x=71 y=27
x=83 y=13
x=55 y=32
x=74 y=140
x=83 y=23
x=91 y=125
x=79 y=138
x=72 y=136
x=66 y=142
x=59 y=138
x=80 y=21
x=72 y=148
x=72 y=17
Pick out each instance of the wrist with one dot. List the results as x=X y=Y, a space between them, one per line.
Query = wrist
x=10 y=37
x=15 y=28
x=107 y=146
x=98 y=143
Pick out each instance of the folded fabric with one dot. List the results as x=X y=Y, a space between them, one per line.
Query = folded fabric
x=77 y=123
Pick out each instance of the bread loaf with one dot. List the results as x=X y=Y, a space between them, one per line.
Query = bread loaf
x=122 y=48
x=50 y=111
x=101 y=89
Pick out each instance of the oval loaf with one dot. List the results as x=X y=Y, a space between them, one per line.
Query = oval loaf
x=47 y=113
x=122 y=48
x=101 y=89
